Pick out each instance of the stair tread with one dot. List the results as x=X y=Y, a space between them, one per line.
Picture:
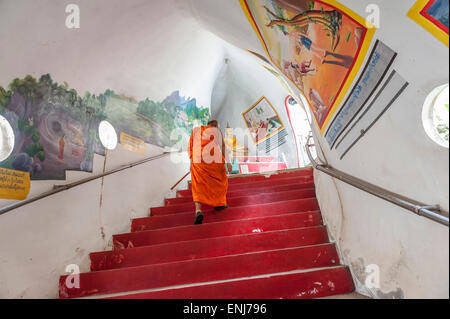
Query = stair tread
x=315 y=283
x=232 y=213
x=240 y=201
x=266 y=182
x=201 y=270
x=209 y=247
x=219 y=229
x=240 y=193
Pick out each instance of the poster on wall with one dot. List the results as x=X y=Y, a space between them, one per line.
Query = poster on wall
x=14 y=184
x=433 y=16
x=262 y=120
x=318 y=45
x=56 y=129
x=273 y=142
x=393 y=87
x=374 y=72
x=132 y=143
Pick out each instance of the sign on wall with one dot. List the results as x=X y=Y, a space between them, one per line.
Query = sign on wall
x=318 y=45
x=386 y=96
x=373 y=74
x=262 y=120
x=433 y=16
x=14 y=184
x=132 y=143
x=56 y=130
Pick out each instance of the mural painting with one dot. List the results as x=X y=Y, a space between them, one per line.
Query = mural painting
x=318 y=45
x=57 y=130
x=262 y=121
x=377 y=66
x=432 y=15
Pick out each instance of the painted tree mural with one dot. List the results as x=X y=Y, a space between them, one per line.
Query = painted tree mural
x=56 y=129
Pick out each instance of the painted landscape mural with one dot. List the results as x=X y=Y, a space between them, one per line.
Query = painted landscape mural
x=315 y=44
x=56 y=129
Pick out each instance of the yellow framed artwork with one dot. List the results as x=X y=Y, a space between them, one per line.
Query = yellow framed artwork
x=318 y=45
x=432 y=15
x=262 y=120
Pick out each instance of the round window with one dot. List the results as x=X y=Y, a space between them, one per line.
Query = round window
x=108 y=135
x=6 y=139
x=435 y=115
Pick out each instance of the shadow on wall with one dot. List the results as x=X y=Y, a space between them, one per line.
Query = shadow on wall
x=56 y=129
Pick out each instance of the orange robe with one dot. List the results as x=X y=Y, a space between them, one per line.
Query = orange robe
x=61 y=148
x=209 y=180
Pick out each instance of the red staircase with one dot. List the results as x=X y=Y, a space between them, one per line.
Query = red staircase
x=270 y=244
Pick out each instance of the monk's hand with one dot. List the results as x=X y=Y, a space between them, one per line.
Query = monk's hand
x=229 y=167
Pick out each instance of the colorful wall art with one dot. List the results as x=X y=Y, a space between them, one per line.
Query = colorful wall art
x=433 y=16
x=318 y=45
x=379 y=62
x=262 y=120
x=56 y=129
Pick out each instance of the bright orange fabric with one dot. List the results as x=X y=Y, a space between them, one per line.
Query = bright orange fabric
x=209 y=179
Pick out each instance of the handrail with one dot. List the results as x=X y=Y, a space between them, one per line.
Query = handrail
x=60 y=188
x=180 y=180
x=428 y=211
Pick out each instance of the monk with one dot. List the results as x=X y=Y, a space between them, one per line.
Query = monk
x=207 y=153
x=61 y=149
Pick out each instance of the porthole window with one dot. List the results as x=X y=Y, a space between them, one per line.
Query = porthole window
x=6 y=139
x=108 y=135
x=435 y=115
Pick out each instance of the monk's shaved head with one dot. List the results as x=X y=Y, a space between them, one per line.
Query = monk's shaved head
x=213 y=123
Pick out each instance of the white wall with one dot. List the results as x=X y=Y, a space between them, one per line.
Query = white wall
x=241 y=83
x=39 y=240
x=396 y=154
x=151 y=48
x=139 y=48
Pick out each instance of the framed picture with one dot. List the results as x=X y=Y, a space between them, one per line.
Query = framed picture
x=262 y=120
x=318 y=45
x=432 y=15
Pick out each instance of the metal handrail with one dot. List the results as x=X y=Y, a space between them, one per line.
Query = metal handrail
x=431 y=212
x=179 y=181
x=60 y=188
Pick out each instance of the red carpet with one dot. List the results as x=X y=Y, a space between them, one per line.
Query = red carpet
x=269 y=244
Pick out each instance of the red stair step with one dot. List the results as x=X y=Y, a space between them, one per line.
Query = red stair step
x=243 y=159
x=305 y=285
x=200 y=270
x=267 y=182
x=208 y=248
x=281 y=175
x=186 y=197
x=233 y=213
x=220 y=229
x=239 y=201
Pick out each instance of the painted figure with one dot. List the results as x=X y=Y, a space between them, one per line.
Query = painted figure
x=207 y=153
x=330 y=20
x=61 y=149
x=318 y=105
x=303 y=40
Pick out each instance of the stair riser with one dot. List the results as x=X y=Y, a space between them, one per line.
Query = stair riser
x=201 y=270
x=237 y=213
x=293 y=286
x=233 y=194
x=227 y=228
x=238 y=201
x=267 y=182
x=208 y=248
x=280 y=176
